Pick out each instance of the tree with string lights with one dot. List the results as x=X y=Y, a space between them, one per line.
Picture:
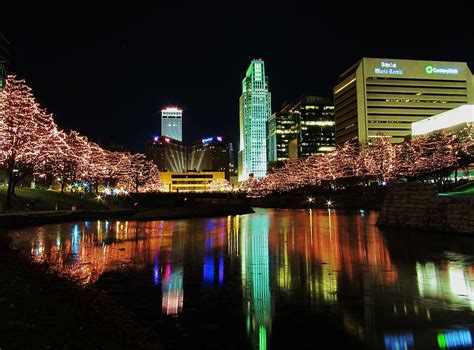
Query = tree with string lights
x=143 y=175
x=24 y=130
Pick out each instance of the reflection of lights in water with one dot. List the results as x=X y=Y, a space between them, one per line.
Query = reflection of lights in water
x=460 y=286
x=325 y=287
x=262 y=338
x=284 y=273
x=58 y=240
x=256 y=278
x=38 y=248
x=427 y=279
x=75 y=241
x=221 y=269
x=399 y=341
x=330 y=225
x=156 y=272
x=172 y=289
x=455 y=339
x=452 y=284
x=233 y=236
x=208 y=267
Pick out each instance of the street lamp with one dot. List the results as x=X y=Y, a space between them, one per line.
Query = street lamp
x=329 y=203
x=310 y=200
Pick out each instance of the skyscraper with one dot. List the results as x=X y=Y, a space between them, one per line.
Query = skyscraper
x=171 y=123
x=301 y=129
x=315 y=118
x=282 y=128
x=385 y=96
x=255 y=109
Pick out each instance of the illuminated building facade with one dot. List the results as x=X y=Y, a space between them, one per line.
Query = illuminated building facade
x=385 y=96
x=232 y=165
x=255 y=109
x=4 y=59
x=210 y=154
x=168 y=154
x=190 y=181
x=281 y=129
x=455 y=119
x=171 y=123
x=315 y=125
x=301 y=129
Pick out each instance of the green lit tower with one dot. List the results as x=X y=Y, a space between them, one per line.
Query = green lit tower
x=254 y=112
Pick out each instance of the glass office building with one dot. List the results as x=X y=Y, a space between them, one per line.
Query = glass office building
x=255 y=109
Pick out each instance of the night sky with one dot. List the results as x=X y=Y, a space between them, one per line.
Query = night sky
x=107 y=71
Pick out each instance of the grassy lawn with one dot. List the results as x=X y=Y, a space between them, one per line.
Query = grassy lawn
x=466 y=189
x=47 y=200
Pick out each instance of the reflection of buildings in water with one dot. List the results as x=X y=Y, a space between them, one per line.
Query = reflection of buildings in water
x=450 y=281
x=214 y=245
x=233 y=237
x=399 y=341
x=330 y=258
x=317 y=250
x=172 y=277
x=256 y=278
x=172 y=289
x=90 y=249
x=443 y=339
x=455 y=339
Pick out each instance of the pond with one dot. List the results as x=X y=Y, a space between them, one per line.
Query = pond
x=274 y=279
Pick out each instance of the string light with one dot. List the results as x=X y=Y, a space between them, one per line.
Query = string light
x=436 y=156
x=32 y=144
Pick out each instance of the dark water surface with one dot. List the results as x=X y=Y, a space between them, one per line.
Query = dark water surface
x=274 y=279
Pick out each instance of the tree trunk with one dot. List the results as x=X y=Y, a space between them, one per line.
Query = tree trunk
x=11 y=186
x=62 y=186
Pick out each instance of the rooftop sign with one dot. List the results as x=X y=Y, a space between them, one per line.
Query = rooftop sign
x=389 y=68
x=442 y=70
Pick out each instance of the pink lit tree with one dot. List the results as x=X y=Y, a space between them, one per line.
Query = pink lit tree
x=24 y=129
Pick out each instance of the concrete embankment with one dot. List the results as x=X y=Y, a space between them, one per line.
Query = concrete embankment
x=31 y=218
x=418 y=205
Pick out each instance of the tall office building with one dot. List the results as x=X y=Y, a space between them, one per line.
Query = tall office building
x=167 y=154
x=282 y=127
x=232 y=165
x=209 y=154
x=301 y=129
x=315 y=123
x=171 y=123
x=255 y=107
x=385 y=96
x=4 y=59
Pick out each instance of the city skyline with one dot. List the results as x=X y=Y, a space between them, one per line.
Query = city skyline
x=111 y=79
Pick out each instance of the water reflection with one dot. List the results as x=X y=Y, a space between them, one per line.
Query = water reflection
x=390 y=291
x=257 y=299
